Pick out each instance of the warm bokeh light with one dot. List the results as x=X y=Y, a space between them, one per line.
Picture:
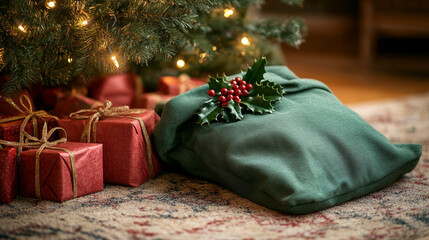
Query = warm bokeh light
x=245 y=41
x=84 y=23
x=228 y=13
x=180 y=63
x=69 y=60
x=214 y=48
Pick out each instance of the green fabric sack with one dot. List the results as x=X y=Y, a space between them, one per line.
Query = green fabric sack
x=311 y=153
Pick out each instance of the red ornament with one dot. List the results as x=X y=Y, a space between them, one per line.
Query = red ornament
x=222 y=99
x=245 y=93
x=249 y=87
x=212 y=92
x=224 y=91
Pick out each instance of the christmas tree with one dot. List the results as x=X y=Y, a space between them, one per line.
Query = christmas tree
x=52 y=42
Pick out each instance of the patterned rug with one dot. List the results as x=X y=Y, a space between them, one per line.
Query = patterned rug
x=175 y=206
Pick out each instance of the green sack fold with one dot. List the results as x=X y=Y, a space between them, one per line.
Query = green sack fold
x=311 y=153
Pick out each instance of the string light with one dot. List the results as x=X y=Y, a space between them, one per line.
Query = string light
x=50 y=4
x=84 y=22
x=214 y=48
x=245 y=41
x=70 y=60
x=228 y=13
x=112 y=56
x=20 y=25
x=180 y=63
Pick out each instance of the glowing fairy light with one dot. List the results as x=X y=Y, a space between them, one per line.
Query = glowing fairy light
x=50 y=4
x=70 y=60
x=180 y=63
x=84 y=23
x=22 y=28
x=113 y=57
x=228 y=13
x=245 y=41
x=214 y=48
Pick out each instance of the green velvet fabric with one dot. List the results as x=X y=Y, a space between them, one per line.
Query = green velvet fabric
x=311 y=153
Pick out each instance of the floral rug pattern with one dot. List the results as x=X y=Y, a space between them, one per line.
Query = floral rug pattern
x=176 y=206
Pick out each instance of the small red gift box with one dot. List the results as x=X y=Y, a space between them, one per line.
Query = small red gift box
x=118 y=88
x=176 y=85
x=126 y=160
x=8 y=110
x=8 y=174
x=150 y=100
x=55 y=171
x=67 y=104
x=9 y=131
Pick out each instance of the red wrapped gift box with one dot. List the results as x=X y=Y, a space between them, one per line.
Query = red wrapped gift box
x=150 y=100
x=125 y=161
x=9 y=131
x=56 y=171
x=176 y=85
x=8 y=174
x=67 y=104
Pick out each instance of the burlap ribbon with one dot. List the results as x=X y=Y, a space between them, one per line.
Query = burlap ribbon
x=107 y=111
x=29 y=114
x=41 y=144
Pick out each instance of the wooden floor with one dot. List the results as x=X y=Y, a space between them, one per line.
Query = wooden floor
x=353 y=83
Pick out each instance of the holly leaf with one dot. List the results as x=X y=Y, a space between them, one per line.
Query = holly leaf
x=218 y=83
x=255 y=73
x=258 y=104
x=269 y=90
x=209 y=112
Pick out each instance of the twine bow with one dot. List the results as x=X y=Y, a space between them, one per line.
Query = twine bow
x=26 y=109
x=41 y=144
x=107 y=111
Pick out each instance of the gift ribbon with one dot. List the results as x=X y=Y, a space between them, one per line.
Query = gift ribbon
x=41 y=144
x=29 y=114
x=107 y=111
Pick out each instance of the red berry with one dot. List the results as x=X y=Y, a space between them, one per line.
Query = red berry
x=224 y=104
x=243 y=82
x=238 y=92
x=229 y=97
x=245 y=93
x=242 y=87
x=238 y=79
x=249 y=87
x=231 y=92
x=233 y=82
x=222 y=99
x=224 y=91
x=235 y=87
x=212 y=92
x=237 y=99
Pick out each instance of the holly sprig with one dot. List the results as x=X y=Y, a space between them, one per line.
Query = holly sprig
x=229 y=98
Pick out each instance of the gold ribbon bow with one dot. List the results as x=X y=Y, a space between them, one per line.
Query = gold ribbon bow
x=41 y=144
x=29 y=114
x=107 y=111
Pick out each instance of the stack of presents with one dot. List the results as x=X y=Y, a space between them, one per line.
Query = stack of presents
x=83 y=141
